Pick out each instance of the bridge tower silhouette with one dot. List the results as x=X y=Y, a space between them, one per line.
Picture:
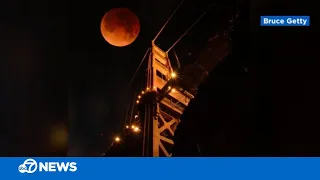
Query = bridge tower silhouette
x=161 y=104
x=167 y=92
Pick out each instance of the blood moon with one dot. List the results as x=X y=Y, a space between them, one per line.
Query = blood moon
x=120 y=27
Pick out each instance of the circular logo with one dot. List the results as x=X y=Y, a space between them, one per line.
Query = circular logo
x=22 y=168
x=28 y=166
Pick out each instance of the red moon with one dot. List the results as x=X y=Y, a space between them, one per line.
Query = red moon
x=120 y=27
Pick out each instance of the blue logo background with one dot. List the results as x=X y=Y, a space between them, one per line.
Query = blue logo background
x=285 y=19
x=172 y=169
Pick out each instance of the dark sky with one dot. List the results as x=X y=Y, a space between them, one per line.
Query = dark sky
x=59 y=73
x=58 y=70
x=103 y=72
x=34 y=94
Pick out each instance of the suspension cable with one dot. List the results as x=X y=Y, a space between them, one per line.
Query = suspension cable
x=177 y=59
x=132 y=108
x=168 y=20
x=134 y=75
x=190 y=28
x=127 y=114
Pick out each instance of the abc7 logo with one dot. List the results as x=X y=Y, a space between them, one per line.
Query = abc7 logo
x=32 y=166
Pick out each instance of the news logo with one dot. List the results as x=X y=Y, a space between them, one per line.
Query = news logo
x=30 y=166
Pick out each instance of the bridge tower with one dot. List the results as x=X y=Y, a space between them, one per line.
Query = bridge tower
x=160 y=104
x=168 y=92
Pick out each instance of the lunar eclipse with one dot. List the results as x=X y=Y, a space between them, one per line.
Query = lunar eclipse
x=120 y=27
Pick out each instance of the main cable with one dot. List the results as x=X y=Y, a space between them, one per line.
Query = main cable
x=199 y=18
x=168 y=20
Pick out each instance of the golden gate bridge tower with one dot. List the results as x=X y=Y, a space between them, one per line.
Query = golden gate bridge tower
x=167 y=92
x=161 y=104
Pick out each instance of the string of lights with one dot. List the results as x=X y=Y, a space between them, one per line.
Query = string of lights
x=134 y=125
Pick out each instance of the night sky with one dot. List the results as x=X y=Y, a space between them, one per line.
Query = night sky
x=33 y=60
x=59 y=72
x=99 y=94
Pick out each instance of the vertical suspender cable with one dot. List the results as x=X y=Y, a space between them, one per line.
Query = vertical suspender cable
x=132 y=108
x=134 y=75
x=177 y=59
x=126 y=118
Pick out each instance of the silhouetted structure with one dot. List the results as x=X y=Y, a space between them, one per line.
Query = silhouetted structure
x=257 y=101
x=265 y=107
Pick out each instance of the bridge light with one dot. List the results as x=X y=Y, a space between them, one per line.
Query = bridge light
x=169 y=87
x=136 y=116
x=142 y=92
x=136 y=129
x=133 y=126
x=127 y=127
x=139 y=97
x=117 y=139
x=173 y=90
x=173 y=75
x=148 y=89
x=137 y=101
